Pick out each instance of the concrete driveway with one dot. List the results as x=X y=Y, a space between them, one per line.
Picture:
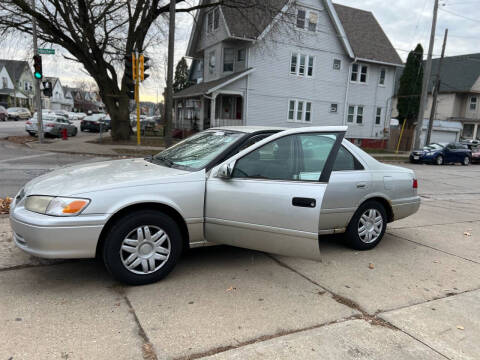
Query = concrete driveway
x=415 y=296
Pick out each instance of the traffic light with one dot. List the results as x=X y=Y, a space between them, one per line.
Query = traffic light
x=37 y=67
x=47 y=88
x=130 y=75
x=144 y=66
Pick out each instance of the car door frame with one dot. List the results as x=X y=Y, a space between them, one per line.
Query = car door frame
x=216 y=229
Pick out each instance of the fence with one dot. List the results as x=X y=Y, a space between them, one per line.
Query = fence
x=407 y=138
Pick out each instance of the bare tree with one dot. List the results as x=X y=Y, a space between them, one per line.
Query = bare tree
x=99 y=33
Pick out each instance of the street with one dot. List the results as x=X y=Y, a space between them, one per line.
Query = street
x=19 y=164
x=415 y=296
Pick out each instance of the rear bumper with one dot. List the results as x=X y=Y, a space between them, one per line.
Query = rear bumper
x=55 y=237
x=406 y=208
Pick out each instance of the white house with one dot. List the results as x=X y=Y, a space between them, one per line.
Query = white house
x=60 y=99
x=16 y=84
x=309 y=64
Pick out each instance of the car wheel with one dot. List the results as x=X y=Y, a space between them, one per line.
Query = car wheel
x=75 y=131
x=367 y=227
x=31 y=133
x=439 y=160
x=143 y=247
x=466 y=161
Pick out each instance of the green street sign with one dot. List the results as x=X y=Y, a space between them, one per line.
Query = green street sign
x=46 y=51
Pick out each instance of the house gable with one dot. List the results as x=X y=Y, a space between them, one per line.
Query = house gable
x=5 y=79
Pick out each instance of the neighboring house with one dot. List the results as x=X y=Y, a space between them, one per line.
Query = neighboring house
x=329 y=65
x=459 y=96
x=16 y=84
x=60 y=99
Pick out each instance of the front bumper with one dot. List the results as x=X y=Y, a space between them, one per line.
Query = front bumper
x=56 y=237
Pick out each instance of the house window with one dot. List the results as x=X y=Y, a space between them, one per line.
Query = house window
x=211 y=62
x=378 y=116
x=26 y=86
x=337 y=64
x=228 y=59
x=241 y=55
x=301 y=18
x=291 y=110
x=301 y=64
x=473 y=103
x=293 y=64
x=355 y=112
x=333 y=108
x=300 y=111
x=307 y=19
x=4 y=82
x=301 y=68
x=381 y=80
x=359 y=73
x=213 y=18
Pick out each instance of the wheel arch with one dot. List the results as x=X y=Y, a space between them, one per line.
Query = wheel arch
x=386 y=204
x=166 y=209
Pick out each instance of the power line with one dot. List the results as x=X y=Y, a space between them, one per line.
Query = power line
x=459 y=15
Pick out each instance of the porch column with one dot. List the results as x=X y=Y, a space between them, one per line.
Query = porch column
x=212 y=110
x=475 y=131
x=202 y=114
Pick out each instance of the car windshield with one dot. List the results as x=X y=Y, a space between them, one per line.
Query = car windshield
x=198 y=150
x=434 y=146
x=13 y=109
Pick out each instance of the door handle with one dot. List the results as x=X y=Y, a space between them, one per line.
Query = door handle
x=304 y=202
x=361 y=185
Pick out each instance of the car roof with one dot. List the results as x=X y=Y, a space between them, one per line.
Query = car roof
x=249 y=129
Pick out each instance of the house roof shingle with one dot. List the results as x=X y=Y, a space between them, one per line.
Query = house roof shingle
x=14 y=67
x=459 y=73
x=205 y=87
x=366 y=36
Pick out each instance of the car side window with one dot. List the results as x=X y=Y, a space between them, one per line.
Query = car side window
x=293 y=157
x=451 y=146
x=345 y=161
x=253 y=140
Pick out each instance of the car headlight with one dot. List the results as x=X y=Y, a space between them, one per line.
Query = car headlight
x=56 y=206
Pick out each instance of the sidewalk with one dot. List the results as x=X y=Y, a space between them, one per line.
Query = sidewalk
x=83 y=145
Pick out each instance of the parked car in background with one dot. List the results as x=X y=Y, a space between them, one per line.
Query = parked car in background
x=53 y=125
x=145 y=122
x=76 y=115
x=442 y=153
x=63 y=113
x=3 y=113
x=139 y=215
x=94 y=123
x=475 y=154
x=18 y=113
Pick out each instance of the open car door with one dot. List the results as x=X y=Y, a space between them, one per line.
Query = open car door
x=268 y=197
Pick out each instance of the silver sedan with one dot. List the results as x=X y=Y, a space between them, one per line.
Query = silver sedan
x=268 y=189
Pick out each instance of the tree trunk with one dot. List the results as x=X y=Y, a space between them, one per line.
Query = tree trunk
x=120 y=117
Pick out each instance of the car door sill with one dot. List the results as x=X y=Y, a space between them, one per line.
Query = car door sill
x=265 y=228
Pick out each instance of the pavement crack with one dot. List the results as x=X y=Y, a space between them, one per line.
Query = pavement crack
x=428 y=225
x=148 y=350
x=434 y=248
x=262 y=338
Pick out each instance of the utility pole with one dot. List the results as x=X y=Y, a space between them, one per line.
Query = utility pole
x=426 y=79
x=436 y=89
x=169 y=89
x=38 y=96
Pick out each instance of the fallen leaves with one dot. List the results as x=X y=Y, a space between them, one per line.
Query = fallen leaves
x=5 y=205
x=231 y=288
x=466 y=233
x=460 y=327
x=371 y=266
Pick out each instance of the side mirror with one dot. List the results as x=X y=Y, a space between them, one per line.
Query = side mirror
x=226 y=170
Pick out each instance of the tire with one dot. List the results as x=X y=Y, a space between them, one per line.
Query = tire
x=31 y=133
x=439 y=160
x=75 y=131
x=466 y=161
x=354 y=239
x=145 y=268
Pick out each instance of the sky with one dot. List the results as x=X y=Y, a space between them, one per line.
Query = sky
x=406 y=23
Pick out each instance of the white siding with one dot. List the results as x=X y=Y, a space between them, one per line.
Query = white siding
x=4 y=74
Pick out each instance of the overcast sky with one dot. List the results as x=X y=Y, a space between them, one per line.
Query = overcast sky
x=406 y=23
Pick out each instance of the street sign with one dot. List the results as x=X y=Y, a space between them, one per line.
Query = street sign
x=46 y=51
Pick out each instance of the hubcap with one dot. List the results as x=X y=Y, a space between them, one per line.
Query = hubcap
x=466 y=160
x=370 y=226
x=145 y=250
x=439 y=160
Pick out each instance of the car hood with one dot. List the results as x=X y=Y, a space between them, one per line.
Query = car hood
x=92 y=177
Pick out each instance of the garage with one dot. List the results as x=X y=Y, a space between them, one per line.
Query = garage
x=442 y=131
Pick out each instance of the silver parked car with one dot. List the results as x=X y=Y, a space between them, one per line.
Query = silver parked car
x=18 y=113
x=267 y=189
x=53 y=124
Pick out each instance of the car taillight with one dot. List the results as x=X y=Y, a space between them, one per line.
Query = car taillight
x=50 y=125
x=415 y=184
x=29 y=123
